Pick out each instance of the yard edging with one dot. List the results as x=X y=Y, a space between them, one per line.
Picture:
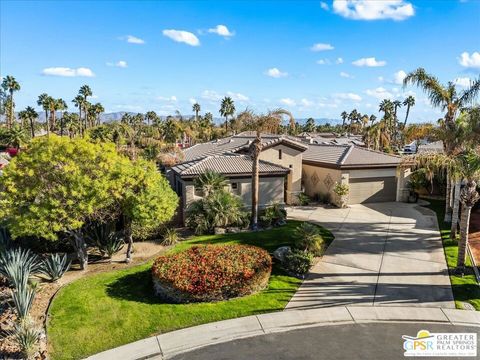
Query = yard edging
x=168 y=345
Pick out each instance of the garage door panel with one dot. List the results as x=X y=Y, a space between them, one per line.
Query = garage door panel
x=364 y=190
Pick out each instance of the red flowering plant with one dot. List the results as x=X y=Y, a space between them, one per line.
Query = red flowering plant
x=211 y=273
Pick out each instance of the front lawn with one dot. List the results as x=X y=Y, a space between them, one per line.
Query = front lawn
x=111 y=309
x=465 y=289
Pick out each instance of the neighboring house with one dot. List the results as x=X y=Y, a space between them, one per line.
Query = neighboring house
x=434 y=147
x=372 y=176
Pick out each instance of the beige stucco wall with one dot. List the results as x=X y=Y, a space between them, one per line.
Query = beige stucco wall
x=291 y=159
x=314 y=180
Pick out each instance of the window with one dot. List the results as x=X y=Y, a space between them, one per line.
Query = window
x=280 y=154
x=236 y=188
x=198 y=191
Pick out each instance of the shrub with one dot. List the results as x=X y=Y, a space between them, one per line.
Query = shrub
x=54 y=266
x=273 y=215
x=341 y=189
x=26 y=336
x=106 y=239
x=303 y=199
x=308 y=239
x=211 y=273
x=298 y=262
x=219 y=209
x=23 y=300
x=170 y=237
x=17 y=265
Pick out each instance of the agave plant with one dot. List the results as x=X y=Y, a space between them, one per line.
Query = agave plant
x=17 y=265
x=23 y=299
x=26 y=335
x=107 y=240
x=170 y=237
x=54 y=266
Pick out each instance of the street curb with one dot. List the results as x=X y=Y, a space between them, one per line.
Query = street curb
x=168 y=345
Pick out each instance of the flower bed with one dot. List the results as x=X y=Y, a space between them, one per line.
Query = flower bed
x=211 y=273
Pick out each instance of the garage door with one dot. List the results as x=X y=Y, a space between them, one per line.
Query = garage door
x=364 y=190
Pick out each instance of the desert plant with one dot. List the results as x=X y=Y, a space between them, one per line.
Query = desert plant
x=54 y=266
x=17 y=265
x=106 y=239
x=308 y=239
x=273 y=215
x=26 y=336
x=341 y=189
x=298 y=262
x=303 y=199
x=23 y=299
x=170 y=237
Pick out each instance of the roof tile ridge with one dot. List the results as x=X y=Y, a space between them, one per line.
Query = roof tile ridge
x=346 y=154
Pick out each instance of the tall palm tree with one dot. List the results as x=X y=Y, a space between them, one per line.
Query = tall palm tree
x=447 y=99
x=44 y=100
x=11 y=85
x=344 y=116
x=85 y=91
x=353 y=117
x=57 y=105
x=29 y=115
x=396 y=105
x=408 y=102
x=373 y=118
x=151 y=117
x=196 y=108
x=79 y=102
x=227 y=108
x=469 y=165
x=98 y=109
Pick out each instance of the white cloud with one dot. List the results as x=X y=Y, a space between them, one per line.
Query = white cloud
x=221 y=30
x=306 y=102
x=381 y=79
x=172 y=98
x=192 y=101
x=324 y=6
x=133 y=39
x=321 y=47
x=288 y=102
x=182 y=37
x=399 y=76
x=121 y=64
x=275 y=73
x=463 y=82
x=346 y=75
x=470 y=61
x=347 y=96
x=339 y=61
x=374 y=10
x=369 y=62
x=68 y=72
x=212 y=95
x=323 y=62
x=379 y=93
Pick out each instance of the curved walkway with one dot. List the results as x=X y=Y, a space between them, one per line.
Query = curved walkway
x=169 y=345
x=384 y=254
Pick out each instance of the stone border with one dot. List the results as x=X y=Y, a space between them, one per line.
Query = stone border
x=168 y=345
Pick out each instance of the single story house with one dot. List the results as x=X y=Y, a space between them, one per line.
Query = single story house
x=371 y=176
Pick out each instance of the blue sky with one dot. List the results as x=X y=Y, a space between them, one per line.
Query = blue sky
x=313 y=58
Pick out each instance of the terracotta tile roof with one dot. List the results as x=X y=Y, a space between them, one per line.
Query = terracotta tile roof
x=229 y=164
x=349 y=156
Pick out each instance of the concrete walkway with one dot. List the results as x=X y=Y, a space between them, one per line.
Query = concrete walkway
x=169 y=345
x=384 y=254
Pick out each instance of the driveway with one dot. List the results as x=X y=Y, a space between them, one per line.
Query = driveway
x=384 y=254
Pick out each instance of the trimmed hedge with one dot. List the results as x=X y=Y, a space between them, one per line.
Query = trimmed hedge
x=211 y=273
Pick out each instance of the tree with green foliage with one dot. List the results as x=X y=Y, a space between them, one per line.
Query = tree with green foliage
x=196 y=109
x=44 y=101
x=147 y=198
x=227 y=108
x=28 y=117
x=309 y=125
x=56 y=185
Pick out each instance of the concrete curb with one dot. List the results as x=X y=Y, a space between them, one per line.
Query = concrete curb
x=168 y=345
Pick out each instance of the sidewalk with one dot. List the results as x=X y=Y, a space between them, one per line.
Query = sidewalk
x=168 y=345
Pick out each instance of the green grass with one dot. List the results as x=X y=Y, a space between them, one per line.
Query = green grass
x=111 y=309
x=465 y=289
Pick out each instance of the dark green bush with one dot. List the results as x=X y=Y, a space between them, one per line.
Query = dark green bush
x=308 y=238
x=298 y=262
x=273 y=215
x=303 y=199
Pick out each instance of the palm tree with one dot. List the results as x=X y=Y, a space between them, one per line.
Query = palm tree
x=44 y=101
x=344 y=116
x=97 y=110
x=151 y=117
x=196 y=108
x=373 y=118
x=353 y=116
x=29 y=115
x=210 y=181
x=11 y=85
x=469 y=165
x=85 y=91
x=408 y=102
x=227 y=108
x=447 y=99
x=396 y=104
x=56 y=105
x=79 y=101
